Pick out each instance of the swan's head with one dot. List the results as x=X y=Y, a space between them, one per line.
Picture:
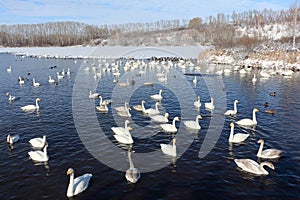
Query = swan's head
x=260 y=141
x=143 y=101
x=127 y=121
x=38 y=99
x=166 y=115
x=269 y=164
x=70 y=171
x=255 y=110
x=7 y=94
x=231 y=124
x=100 y=97
x=176 y=119
x=198 y=98
x=157 y=103
x=236 y=101
x=160 y=91
x=199 y=117
x=212 y=99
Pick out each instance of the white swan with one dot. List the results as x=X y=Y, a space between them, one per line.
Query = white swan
x=193 y=124
x=160 y=118
x=124 y=139
x=249 y=122
x=39 y=156
x=254 y=79
x=197 y=103
x=104 y=102
x=59 y=76
x=268 y=153
x=238 y=137
x=10 y=97
x=68 y=72
x=122 y=108
x=251 y=166
x=157 y=96
x=210 y=105
x=121 y=130
x=93 y=95
x=132 y=174
x=195 y=80
x=35 y=84
x=170 y=127
x=51 y=80
x=151 y=111
x=124 y=84
x=21 y=80
x=102 y=108
x=38 y=142
x=169 y=149
x=78 y=184
x=10 y=139
x=9 y=69
x=139 y=108
x=234 y=111
x=125 y=113
x=30 y=108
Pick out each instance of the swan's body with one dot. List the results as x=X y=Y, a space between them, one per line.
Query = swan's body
x=93 y=95
x=9 y=69
x=251 y=166
x=193 y=124
x=51 y=80
x=125 y=113
x=169 y=149
x=10 y=139
x=121 y=130
x=234 y=111
x=39 y=156
x=170 y=127
x=197 y=103
x=35 y=84
x=38 y=142
x=238 y=137
x=122 y=108
x=139 y=107
x=157 y=96
x=268 y=153
x=151 y=111
x=160 y=118
x=249 y=122
x=102 y=108
x=132 y=174
x=78 y=184
x=210 y=105
x=125 y=138
x=124 y=84
x=32 y=107
x=10 y=97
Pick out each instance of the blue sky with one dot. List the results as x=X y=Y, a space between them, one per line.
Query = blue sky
x=101 y=12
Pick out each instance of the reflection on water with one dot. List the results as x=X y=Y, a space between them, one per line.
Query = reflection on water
x=186 y=176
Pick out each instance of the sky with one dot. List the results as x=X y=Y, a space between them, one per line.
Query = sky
x=101 y=12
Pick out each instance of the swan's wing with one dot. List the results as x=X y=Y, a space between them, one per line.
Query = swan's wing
x=247 y=164
x=229 y=112
x=245 y=122
x=81 y=183
x=272 y=153
x=118 y=130
x=240 y=137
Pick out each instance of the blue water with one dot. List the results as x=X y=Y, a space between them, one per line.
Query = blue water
x=75 y=140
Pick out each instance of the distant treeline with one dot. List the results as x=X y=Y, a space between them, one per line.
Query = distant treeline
x=218 y=30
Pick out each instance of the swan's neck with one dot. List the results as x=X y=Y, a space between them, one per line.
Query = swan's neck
x=173 y=123
x=131 y=165
x=262 y=169
x=70 y=190
x=197 y=120
x=159 y=92
x=100 y=104
x=37 y=104
x=235 y=107
x=143 y=107
x=254 y=117
x=260 y=149
x=174 y=148
x=231 y=134
x=9 y=139
x=156 y=107
x=45 y=152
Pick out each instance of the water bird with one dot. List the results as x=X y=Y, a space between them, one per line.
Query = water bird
x=210 y=105
x=10 y=139
x=272 y=111
x=126 y=138
x=32 y=107
x=171 y=128
x=197 y=103
x=234 y=111
x=77 y=185
x=254 y=79
x=21 y=80
x=247 y=121
x=35 y=84
x=93 y=95
x=38 y=142
x=161 y=118
x=39 y=156
x=132 y=174
x=10 y=97
x=268 y=153
x=273 y=94
x=151 y=111
x=195 y=80
x=238 y=137
x=59 y=76
x=266 y=104
x=9 y=69
x=121 y=130
x=169 y=149
x=51 y=80
x=122 y=108
x=253 y=167
x=194 y=124
x=157 y=96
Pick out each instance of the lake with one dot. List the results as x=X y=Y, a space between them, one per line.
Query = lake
x=80 y=137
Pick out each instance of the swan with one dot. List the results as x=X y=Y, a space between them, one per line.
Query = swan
x=104 y=102
x=210 y=105
x=160 y=118
x=35 y=84
x=139 y=107
x=10 y=139
x=254 y=79
x=122 y=108
x=39 y=156
x=195 y=80
x=93 y=95
x=77 y=185
x=124 y=84
x=121 y=130
x=169 y=149
x=9 y=69
x=50 y=80
x=157 y=96
x=68 y=72
x=38 y=142
x=59 y=76
x=197 y=103
x=170 y=127
x=21 y=80
x=234 y=111
x=193 y=124
x=32 y=107
x=238 y=137
x=268 y=153
x=151 y=111
x=124 y=139
x=125 y=113
x=102 y=108
x=253 y=167
x=10 y=97
x=249 y=122
x=132 y=174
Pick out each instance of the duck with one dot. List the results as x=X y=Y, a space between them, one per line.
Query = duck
x=10 y=97
x=249 y=122
x=39 y=156
x=38 y=142
x=268 y=153
x=51 y=80
x=210 y=105
x=93 y=95
x=266 y=104
x=193 y=124
x=121 y=130
x=30 y=108
x=10 y=139
x=253 y=167
x=21 y=80
x=197 y=103
x=126 y=138
x=157 y=96
x=35 y=84
x=272 y=111
x=273 y=94
x=169 y=149
x=151 y=111
x=132 y=174
x=234 y=111
x=238 y=137
x=161 y=118
x=171 y=128
x=79 y=184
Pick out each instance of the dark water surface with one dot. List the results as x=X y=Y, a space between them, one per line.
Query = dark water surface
x=215 y=176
